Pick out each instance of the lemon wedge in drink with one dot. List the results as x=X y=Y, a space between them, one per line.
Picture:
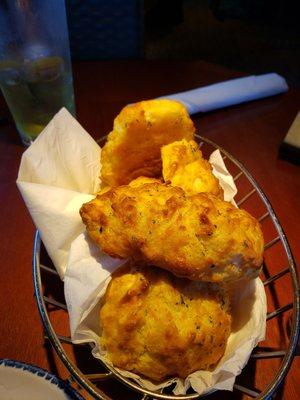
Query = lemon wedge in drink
x=32 y=129
x=44 y=69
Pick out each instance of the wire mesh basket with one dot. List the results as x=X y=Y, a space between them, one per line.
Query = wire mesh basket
x=269 y=362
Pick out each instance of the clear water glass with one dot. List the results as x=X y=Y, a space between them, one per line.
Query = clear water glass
x=35 y=66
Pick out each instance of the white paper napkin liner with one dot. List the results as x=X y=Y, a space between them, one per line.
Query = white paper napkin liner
x=58 y=173
x=225 y=179
x=85 y=278
x=64 y=155
x=55 y=212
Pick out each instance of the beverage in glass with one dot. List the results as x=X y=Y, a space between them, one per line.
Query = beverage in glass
x=35 y=68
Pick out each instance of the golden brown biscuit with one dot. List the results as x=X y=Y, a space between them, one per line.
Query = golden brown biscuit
x=199 y=236
x=160 y=326
x=133 y=147
x=184 y=166
x=142 y=180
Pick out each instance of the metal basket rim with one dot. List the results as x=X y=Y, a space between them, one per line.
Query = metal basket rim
x=96 y=392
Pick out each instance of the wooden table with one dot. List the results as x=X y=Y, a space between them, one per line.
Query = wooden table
x=252 y=132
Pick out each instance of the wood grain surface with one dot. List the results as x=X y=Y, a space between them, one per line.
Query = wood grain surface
x=252 y=132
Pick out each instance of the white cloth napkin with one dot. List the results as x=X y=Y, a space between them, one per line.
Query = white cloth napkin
x=231 y=92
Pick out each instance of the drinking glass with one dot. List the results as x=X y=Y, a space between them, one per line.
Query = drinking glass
x=35 y=67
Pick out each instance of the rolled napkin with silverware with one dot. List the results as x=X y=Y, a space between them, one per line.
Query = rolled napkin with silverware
x=233 y=91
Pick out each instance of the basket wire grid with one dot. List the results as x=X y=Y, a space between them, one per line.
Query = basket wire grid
x=91 y=382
